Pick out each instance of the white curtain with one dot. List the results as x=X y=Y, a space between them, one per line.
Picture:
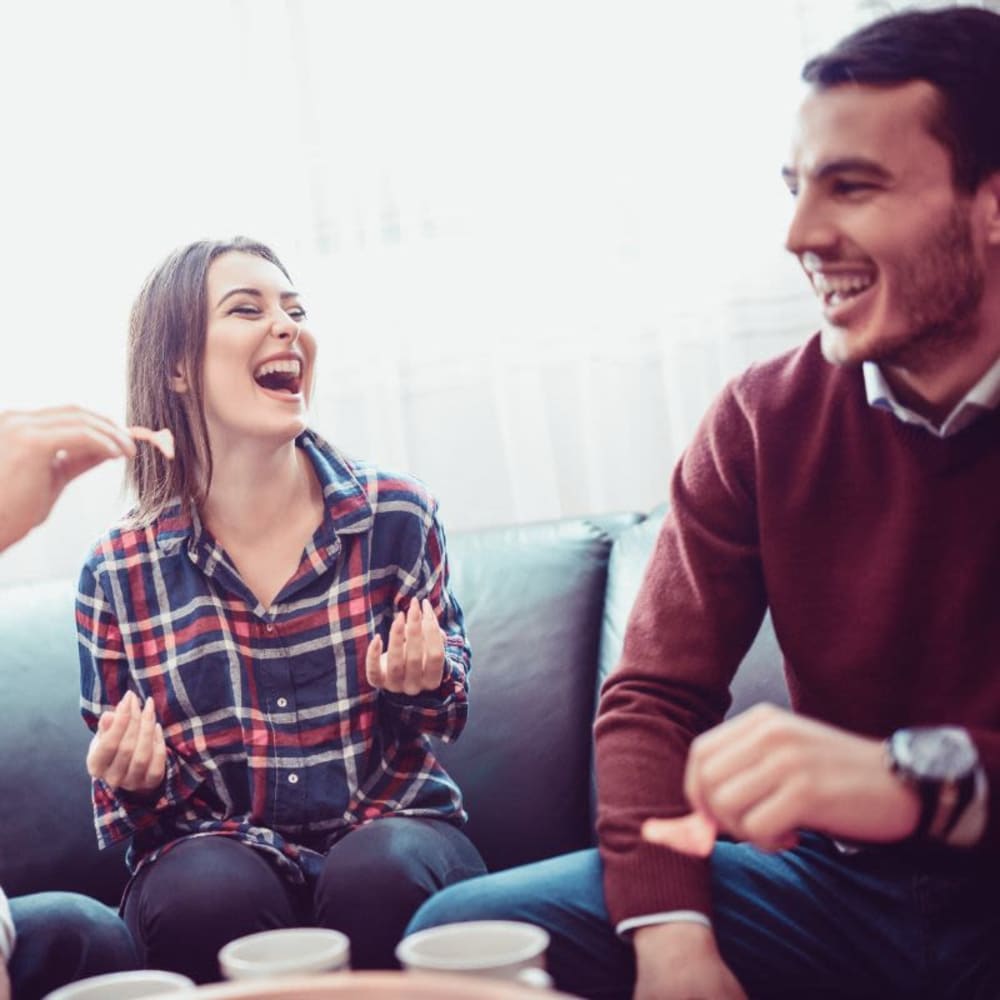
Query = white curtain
x=535 y=235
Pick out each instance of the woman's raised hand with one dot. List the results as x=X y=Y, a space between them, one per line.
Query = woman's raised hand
x=128 y=750
x=414 y=661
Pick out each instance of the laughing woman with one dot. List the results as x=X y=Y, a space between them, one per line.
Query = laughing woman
x=266 y=643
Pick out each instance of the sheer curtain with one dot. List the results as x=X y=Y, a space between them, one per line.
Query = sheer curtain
x=535 y=236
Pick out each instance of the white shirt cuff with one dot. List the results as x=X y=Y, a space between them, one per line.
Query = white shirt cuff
x=7 y=935
x=625 y=927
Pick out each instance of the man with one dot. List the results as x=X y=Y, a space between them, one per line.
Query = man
x=852 y=486
x=52 y=938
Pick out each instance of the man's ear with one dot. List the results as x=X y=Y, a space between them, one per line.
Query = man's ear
x=991 y=192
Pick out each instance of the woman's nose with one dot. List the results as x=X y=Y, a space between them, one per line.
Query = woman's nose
x=285 y=329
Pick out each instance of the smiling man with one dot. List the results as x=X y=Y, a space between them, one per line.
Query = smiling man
x=851 y=486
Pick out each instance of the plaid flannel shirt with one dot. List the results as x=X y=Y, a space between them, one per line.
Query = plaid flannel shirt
x=274 y=735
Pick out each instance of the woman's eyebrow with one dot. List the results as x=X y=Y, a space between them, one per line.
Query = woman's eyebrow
x=256 y=292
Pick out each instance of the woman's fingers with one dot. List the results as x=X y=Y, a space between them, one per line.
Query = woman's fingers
x=128 y=750
x=414 y=660
x=433 y=668
x=414 y=652
x=373 y=662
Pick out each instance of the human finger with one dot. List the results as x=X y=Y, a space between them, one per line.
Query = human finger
x=117 y=770
x=138 y=764
x=395 y=655
x=158 y=763
x=692 y=834
x=373 y=662
x=110 y=731
x=414 y=675
x=725 y=750
x=433 y=639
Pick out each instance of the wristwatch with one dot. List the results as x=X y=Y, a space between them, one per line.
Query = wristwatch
x=939 y=763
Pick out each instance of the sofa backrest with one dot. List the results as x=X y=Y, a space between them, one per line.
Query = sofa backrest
x=761 y=676
x=533 y=598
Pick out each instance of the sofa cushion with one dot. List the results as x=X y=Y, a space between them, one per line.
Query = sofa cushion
x=47 y=838
x=533 y=598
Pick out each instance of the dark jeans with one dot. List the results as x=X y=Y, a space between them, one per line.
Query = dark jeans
x=206 y=891
x=61 y=937
x=810 y=922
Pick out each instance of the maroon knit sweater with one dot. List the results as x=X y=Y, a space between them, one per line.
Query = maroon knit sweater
x=876 y=546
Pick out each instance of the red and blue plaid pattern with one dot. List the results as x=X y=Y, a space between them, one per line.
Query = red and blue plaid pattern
x=274 y=734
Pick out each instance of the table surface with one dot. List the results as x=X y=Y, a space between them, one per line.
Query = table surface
x=371 y=986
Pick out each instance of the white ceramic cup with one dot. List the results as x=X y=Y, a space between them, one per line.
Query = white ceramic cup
x=501 y=949
x=124 y=986
x=290 y=951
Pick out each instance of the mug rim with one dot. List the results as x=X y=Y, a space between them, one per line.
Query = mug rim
x=338 y=944
x=161 y=977
x=526 y=952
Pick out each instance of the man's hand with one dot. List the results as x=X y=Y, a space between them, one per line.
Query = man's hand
x=768 y=773
x=40 y=452
x=680 y=961
x=4 y=980
x=128 y=750
x=414 y=661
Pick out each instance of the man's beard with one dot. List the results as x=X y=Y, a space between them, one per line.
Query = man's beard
x=942 y=286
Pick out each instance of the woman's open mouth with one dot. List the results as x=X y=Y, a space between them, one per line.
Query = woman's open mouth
x=282 y=376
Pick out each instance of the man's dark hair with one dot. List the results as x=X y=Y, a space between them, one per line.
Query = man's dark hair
x=956 y=49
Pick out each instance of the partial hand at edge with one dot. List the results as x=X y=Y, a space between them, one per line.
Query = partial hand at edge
x=5 y=990
x=681 y=961
x=43 y=450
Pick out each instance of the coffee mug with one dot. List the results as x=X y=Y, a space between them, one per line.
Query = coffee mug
x=123 y=986
x=285 y=952
x=502 y=949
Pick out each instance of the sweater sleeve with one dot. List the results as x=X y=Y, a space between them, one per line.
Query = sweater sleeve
x=698 y=609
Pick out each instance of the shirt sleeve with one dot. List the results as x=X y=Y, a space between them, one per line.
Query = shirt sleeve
x=104 y=679
x=443 y=712
x=700 y=604
x=7 y=933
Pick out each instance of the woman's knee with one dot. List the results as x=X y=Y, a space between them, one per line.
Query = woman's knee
x=201 y=882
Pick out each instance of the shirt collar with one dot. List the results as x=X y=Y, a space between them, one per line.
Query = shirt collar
x=348 y=510
x=982 y=397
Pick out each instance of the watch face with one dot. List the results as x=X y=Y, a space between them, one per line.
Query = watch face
x=941 y=752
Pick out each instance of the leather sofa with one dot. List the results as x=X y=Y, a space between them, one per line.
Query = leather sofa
x=546 y=606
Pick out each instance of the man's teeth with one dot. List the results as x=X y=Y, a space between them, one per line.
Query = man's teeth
x=835 y=289
x=290 y=366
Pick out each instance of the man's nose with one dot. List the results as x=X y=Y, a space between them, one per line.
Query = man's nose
x=811 y=228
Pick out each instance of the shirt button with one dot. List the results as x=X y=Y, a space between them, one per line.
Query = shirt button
x=282 y=702
x=293 y=779
x=268 y=627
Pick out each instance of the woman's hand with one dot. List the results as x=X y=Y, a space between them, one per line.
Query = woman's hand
x=128 y=750
x=414 y=661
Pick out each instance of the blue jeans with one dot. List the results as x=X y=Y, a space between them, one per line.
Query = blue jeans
x=810 y=922
x=207 y=891
x=62 y=936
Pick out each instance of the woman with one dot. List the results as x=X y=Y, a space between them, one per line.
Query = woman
x=266 y=643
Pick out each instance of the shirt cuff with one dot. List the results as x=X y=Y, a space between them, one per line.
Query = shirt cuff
x=625 y=928
x=7 y=934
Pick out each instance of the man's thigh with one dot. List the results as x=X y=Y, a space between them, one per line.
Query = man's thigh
x=816 y=922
